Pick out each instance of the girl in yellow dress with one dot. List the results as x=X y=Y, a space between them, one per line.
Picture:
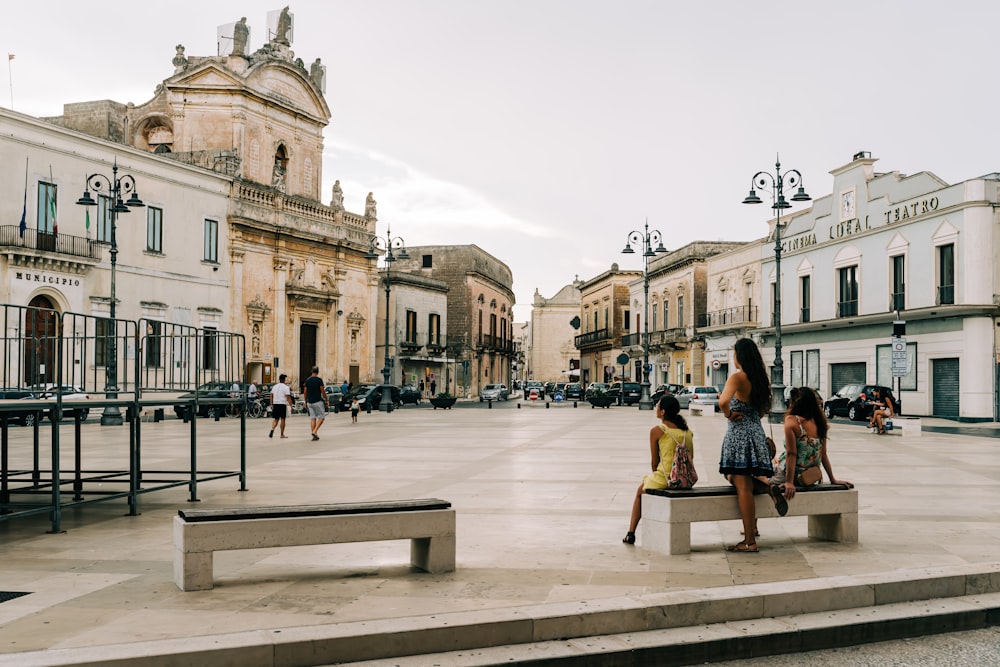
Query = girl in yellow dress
x=663 y=440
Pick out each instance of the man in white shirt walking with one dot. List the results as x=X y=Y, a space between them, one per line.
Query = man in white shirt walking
x=281 y=403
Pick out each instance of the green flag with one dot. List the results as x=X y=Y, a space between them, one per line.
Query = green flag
x=55 y=225
x=88 y=221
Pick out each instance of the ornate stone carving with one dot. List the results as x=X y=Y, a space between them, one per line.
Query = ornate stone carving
x=180 y=61
x=337 y=202
x=240 y=35
x=370 y=207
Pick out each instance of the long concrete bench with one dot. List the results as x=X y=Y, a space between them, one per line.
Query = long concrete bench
x=429 y=524
x=667 y=514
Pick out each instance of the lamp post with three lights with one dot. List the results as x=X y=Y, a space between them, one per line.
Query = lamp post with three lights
x=777 y=182
x=115 y=188
x=646 y=238
x=386 y=244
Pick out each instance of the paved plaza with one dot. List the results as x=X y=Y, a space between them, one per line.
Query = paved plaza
x=542 y=499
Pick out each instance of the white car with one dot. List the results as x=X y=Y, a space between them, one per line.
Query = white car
x=493 y=392
x=69 y=393
x=702 y=395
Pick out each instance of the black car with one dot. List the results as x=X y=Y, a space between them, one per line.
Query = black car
x=207 y=390
x=23 y=417
x=854 y=401
x=627 y=393
x=369 y=395
x=666 y=389
x=574 y=391
x=409 y=394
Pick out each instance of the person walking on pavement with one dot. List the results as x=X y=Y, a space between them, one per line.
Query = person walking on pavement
x=281 y=402
x=434 y=386
x=316 y=401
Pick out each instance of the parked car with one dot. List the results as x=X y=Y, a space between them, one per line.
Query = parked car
x=665 y=389
x=574 y=391
x=854 y=401
x=630 y=392
x=207 y=390
x=703 y=395
x=534 y=385
x=369 y=394
x=69 y=392
x=19 y=416
x=493 y=392
x=409 y=394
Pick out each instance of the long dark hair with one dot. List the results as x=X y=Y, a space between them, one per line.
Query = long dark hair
x=672 y=411
x=753 y=365
x=804 y=402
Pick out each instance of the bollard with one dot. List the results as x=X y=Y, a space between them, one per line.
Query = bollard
x=489 y=404
x=547 y=405
x=574 y=404
x=518 y=406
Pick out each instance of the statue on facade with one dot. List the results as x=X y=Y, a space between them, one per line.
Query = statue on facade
x=317 y=72
x=240 y=35
x=180 y=61
x=284 y=27
x=337 y=203
x=278 y=176
x=370 y=207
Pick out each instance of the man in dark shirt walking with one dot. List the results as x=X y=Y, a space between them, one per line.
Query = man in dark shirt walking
x=316 y=401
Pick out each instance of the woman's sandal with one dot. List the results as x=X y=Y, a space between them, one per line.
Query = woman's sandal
x=629 y=538
x=743 y=547
x=778 y=496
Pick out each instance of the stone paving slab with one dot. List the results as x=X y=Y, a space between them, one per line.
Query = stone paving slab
x=542 y=498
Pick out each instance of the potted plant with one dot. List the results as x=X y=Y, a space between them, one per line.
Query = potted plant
x=600 y=399
x=443 y=400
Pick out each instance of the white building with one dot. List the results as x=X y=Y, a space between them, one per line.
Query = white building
x=173 y=253
x=882 y=244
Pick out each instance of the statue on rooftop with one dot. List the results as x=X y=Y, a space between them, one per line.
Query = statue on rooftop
x=284 y=27
x=370 y=207
x=240 y=35
x=180 y=61
x=337 y=203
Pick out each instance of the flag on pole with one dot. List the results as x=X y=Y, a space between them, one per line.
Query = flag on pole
x=88 y=222
x=24 y=211
x=55 y=225
x=10 y=56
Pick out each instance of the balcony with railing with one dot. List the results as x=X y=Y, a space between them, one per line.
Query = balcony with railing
x=596 y=337
x=496 y=344
x=35 y=245
x=847 y=308
x=740 y=317
x=945 y=295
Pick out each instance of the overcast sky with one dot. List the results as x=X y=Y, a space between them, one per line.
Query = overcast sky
x=544 y=131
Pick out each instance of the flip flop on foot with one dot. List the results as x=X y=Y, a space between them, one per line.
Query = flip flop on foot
x=778 y=496
x=744 y=548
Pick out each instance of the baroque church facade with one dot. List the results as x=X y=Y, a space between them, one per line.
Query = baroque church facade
x=302 y=290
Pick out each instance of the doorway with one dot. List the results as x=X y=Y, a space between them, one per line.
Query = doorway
x=307 y=349
x=41 y=333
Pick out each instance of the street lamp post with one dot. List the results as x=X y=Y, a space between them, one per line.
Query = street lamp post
x=647 y=238
x=777 y=182
x=386 y=244
x=116 y=187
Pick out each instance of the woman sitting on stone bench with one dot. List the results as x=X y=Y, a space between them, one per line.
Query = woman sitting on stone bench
x=806 y=429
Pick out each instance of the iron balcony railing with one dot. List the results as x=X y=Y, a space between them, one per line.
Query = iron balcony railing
x=63 y=244
x=740 y=315
x=592 y=337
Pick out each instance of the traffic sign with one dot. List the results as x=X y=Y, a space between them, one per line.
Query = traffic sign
x=622 y=359
x=899 y=366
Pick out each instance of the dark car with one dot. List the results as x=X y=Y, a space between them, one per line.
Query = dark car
x=672 y=389
x=549 y=387
x=207 y=390
x=23 y=417
x=409 y=394
x=854 y=401
x=369 y=395
x=627 y=393
x=574 y=391
x=534 y=385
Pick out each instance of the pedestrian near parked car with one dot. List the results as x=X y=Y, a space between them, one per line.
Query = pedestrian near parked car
x=316 y=401
x=664 y=439
x=434 y=386
x=355 y=409
x=281 y=404
x=882 y=409
x=745 y=399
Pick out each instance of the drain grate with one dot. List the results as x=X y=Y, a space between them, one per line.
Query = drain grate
x=5 y=595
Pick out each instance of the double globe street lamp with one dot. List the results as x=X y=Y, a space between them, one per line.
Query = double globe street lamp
x=777 y=182
x=646 y=239
x=113 y=190
x=386 y=245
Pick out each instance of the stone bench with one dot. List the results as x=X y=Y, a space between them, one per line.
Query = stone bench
x=667 y=514
x=429 y=524
x=906 y=426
